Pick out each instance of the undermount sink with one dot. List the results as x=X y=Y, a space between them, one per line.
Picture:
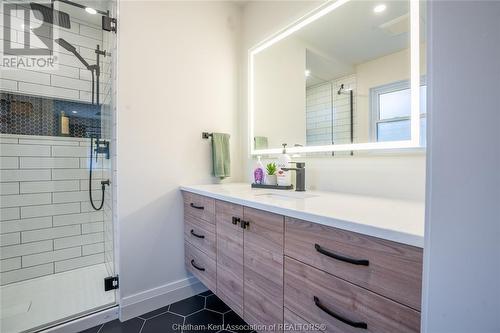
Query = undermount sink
x=286 y=195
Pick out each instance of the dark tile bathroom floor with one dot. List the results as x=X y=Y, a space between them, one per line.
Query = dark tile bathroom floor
x=204 y=312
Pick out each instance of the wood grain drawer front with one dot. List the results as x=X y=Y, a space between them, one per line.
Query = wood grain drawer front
x=230 y=255
x=295 y=324
x=321 y=298
x=199 y=206
x=263 y=264
x=391 y=269
x=201 y=265
x=201 y=234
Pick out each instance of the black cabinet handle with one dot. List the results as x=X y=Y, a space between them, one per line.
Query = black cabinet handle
x=244 y=224
x=358 y=324
x=235 y=220
x=196 y=235
x=196 y=207
x=362 y=262
x=197 y=267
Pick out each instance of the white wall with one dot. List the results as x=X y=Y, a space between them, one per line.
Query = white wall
x=388 y=175
x=178 y=77
x=280 y=93
x=462 y=243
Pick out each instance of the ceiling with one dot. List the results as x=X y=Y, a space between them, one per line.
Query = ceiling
x=353 y=34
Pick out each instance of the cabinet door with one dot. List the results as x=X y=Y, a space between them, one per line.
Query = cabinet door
x=230 y=255
x=263 y=264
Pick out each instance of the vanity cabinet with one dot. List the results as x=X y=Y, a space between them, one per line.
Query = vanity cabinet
x=230 y=255
x=263 y=267
x=201 y=265
x=199 y=206
x=323 y=299
x=390 y=269
x=275 y=270
x=250 y=281
x=200 y=239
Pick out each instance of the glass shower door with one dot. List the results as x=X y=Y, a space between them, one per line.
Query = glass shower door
x=56 y=121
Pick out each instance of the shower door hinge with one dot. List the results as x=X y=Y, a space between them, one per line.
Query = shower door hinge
x=109 y=23
x=110 y=283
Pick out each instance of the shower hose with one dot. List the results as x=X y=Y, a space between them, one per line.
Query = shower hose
x=103 y=183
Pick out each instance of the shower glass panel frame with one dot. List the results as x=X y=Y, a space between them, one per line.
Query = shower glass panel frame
x=56 y=249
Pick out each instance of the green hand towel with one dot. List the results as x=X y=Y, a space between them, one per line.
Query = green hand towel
x=260 y=142
x=220 y=155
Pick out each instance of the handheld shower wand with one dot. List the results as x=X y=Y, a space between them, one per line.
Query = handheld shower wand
x=95 y=70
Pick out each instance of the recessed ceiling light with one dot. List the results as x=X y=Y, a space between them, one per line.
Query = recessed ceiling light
x=307 y=73
x=91 y=10
x=379 y=8
x=74 y=111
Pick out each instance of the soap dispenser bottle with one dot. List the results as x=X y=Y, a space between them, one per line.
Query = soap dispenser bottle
x=284 y=177
x=258 y=172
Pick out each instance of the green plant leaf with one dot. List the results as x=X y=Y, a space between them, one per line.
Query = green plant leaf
x=271 y=168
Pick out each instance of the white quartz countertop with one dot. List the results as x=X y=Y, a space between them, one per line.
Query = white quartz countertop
x=396 y=220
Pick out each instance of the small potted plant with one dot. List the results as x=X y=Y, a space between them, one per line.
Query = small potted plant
x=271 y=178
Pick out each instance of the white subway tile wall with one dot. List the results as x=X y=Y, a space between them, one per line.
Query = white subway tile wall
x=47 y=225
x=319 y=104
x=71 y=80
x=328 y=113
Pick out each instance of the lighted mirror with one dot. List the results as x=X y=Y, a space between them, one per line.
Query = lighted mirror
x=349 y=76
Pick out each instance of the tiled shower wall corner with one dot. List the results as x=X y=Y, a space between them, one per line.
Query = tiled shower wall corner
x=70 y=80
x=47 y=225
x=327 y=122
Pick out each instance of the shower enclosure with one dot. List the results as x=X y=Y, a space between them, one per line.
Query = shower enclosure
x=57 y=107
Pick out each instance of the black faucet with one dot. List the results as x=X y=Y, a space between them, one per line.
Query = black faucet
x=300 y=175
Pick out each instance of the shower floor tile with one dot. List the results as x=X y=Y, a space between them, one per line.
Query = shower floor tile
x=202 y=309
x=37 y=302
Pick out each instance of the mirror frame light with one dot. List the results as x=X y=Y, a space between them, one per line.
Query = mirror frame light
x=316 y=14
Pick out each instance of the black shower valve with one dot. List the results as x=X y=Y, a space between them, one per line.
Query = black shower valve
x=101 y=147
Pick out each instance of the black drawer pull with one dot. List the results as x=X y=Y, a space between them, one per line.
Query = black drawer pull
x=362 y=262
x=244 y=224
x=235 y=220
x=196 y=207
x=197 y=267
x=358 y=324
x=196 y=235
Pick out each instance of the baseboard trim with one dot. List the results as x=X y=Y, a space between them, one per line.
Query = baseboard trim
x=152 y=299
